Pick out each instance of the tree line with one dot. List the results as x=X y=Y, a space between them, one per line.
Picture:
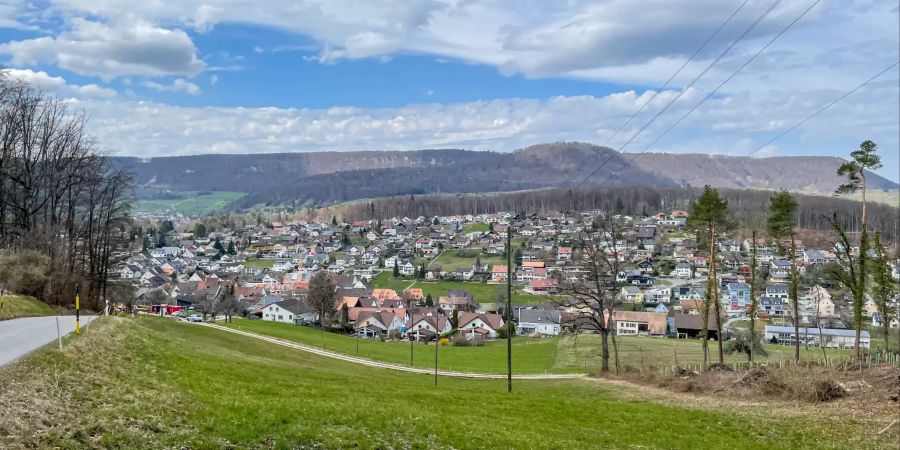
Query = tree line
x=64 y=212
x=748 y=208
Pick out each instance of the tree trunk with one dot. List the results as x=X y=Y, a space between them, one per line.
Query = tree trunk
x=715 y=296
x=794 y=300
x=604 y=350
x=753 y=297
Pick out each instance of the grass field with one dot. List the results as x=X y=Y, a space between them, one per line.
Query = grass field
x=157 y=383
x=14 y=306
x=450 y=260
x=473 y=227
x=259 y=263
x=550 y=355
x=481 y=292
x=191 y=204
x=532 y=355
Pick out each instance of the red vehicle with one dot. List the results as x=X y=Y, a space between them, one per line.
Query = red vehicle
x=165 y=310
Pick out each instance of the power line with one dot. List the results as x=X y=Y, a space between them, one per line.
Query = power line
x=821 y=110
x=677 y=72
x=685 y=89
x=809 y=117
x=711 y=93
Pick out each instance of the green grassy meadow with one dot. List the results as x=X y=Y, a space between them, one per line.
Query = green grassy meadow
x=476 y=227
x=565 y=354
x=191 y=204
x=481 y=292
x=532 y=355
x=15 y=306
x=259 y=263
x=450 y=260
x=156 y=383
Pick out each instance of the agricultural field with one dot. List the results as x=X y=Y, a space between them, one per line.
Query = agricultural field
x=191 y=204
x=566 y=354
x=15 y=306
x=157 y=383
x=481 y=292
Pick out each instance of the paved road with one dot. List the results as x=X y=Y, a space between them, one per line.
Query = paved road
x=383 y=365
x=19 y=337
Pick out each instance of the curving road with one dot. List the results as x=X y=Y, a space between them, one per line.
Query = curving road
x=19 y=337
x=383 y=365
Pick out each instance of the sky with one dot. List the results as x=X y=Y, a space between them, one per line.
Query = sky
x=160 y=78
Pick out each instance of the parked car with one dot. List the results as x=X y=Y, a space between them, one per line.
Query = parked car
x=195 y=318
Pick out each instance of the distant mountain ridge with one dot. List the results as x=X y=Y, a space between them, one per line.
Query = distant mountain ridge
x=327 y=177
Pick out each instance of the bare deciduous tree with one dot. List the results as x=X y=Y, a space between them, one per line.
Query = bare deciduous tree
x=591 y=294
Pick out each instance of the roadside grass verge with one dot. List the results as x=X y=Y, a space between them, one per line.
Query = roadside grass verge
x=15 y=306
x=157 y=383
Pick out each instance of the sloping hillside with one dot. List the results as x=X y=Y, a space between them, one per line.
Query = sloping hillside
x=816 y=174
x=328 y=177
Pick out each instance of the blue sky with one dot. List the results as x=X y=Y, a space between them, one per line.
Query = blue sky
x=227 y=76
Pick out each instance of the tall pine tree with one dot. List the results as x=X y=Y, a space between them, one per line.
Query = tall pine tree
x=708 y=217
x=780 y=225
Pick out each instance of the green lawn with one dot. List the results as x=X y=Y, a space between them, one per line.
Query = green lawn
x=259 y=263
x=191 y=204
x=473 y=227
x=13 y=306
x=481 y=292
x=550 y=355
x=450 y=260
x=157 y=383
x=532 y=355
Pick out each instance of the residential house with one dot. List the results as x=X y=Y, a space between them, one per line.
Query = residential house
x=538 y=321
x=683 y=270
x=371 y=324
x=456 y=299
x=499 y=273
x=631 y=294
x=289 y=311
x=634 y=323
x=480 y=325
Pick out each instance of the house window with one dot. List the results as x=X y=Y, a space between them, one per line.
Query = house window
x=279 y=317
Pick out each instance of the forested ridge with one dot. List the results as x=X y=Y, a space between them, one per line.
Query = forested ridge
x=321 y=178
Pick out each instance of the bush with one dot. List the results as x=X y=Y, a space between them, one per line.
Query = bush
x=444 y=341
x=467 y=253
x=24 y=273
x=459 y=340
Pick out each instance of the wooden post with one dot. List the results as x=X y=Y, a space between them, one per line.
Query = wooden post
x=58 y=335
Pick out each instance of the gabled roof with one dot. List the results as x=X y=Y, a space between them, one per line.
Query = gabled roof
x=295 y=306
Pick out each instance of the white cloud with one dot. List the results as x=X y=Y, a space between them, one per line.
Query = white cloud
x=57 y=85
x=177 y=85
x=733 y=125
x=213 y=79
x=110 y=50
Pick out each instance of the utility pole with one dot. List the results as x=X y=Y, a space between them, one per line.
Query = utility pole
x=509 y=306
x=437 y=343
x=77 y=313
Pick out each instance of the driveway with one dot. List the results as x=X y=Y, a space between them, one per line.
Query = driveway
x=20 y=337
